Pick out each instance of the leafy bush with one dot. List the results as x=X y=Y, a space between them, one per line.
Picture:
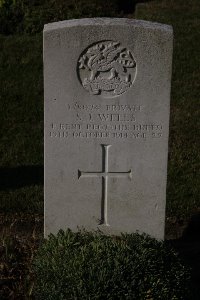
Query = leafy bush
x=11 y=16
x=18 y=16
x=92 y=266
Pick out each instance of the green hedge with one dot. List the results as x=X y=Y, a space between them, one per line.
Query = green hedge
x=93 y=266
x=17 y=16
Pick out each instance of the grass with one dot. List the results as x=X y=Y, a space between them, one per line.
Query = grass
x=21 y=124
x=184 y=156
x=22 y=109
x=21 y=95
x=20 y=16
x=21 y=130
x=20 y=238
x=21 y=100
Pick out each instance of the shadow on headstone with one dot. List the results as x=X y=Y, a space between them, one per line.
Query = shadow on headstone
x=13 y=178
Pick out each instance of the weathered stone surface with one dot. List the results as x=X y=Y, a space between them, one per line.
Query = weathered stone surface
x=107 y=94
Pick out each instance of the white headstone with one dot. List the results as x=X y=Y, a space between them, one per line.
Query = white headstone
x=107 y=97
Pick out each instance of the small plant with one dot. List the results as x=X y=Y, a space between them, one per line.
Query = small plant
x=93 y=266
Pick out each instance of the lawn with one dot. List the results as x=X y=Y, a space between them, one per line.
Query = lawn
x=184 y=156
x=21 y=151
x=21 y=127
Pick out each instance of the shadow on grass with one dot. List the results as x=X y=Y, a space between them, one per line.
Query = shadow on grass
x=188 y=247
x=129 y=6
x=14 y=178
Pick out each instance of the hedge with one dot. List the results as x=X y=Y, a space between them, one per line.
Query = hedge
x=93 y=266
x=29 y=16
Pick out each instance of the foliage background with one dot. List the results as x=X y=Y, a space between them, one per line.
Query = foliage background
x=21 y=126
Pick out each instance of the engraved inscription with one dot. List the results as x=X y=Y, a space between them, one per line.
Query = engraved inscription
x=105 y=174
x=106 y=121
x=107 y=107
x=107 y=69
x=107 y=130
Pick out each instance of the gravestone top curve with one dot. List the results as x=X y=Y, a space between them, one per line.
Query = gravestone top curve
x=108 y=22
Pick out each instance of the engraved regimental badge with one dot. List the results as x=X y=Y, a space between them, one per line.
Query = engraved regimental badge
x=107 y=69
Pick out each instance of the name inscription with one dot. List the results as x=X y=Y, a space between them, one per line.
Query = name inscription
x=105 y=121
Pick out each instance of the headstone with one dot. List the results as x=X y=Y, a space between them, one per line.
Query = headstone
x=107 y=97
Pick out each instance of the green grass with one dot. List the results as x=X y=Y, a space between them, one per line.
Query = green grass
x=21 y=94
x=20 y=16
x=20 y=238
x=94 y=266
x=21 y=100
x=21 y=124
x=184 y=155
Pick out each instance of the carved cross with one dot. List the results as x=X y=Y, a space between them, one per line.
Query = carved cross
x=105 y=174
